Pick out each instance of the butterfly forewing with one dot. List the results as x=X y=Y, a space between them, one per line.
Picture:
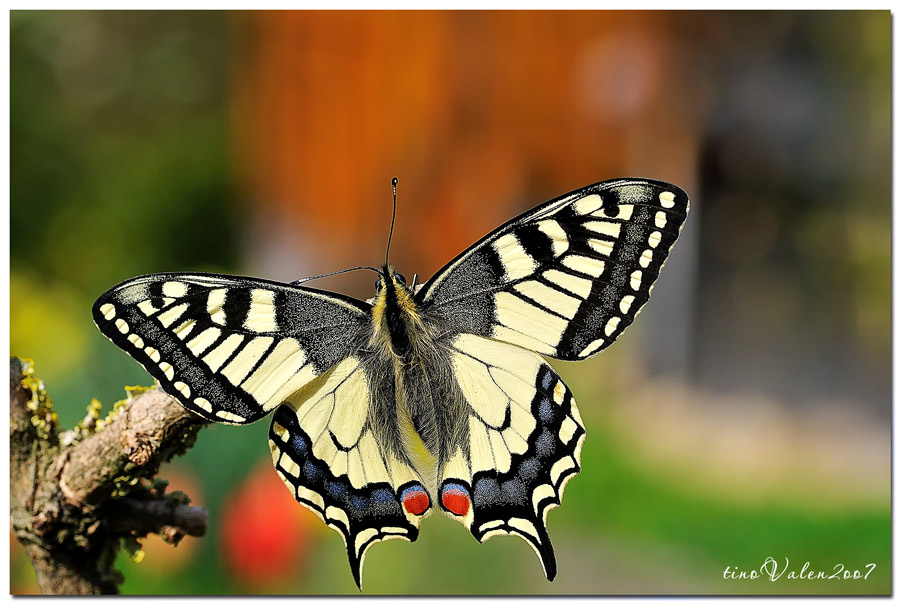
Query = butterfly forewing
x=566 y=278
x=229 y=348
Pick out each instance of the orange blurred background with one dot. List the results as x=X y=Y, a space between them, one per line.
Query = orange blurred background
x=478 y=113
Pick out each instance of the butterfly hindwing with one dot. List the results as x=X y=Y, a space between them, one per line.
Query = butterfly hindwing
x=523 y=443
x=337 y=461
x=229 y=348
x=566 y=278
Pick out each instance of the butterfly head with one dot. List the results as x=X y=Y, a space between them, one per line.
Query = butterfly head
x=390 y=275
x=395 y=311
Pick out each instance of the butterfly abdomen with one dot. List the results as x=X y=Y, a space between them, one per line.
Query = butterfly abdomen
x=427 y=399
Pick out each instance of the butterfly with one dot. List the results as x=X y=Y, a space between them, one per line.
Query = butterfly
x=435 y=396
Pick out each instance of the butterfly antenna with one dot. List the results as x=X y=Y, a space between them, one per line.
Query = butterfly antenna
x=346 y=270
x=393 y=217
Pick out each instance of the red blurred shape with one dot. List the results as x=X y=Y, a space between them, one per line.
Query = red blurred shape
x=265 y=532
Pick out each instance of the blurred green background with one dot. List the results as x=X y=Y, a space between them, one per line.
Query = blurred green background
x=745 y=415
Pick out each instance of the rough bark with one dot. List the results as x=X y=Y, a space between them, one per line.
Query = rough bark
x=74 y=496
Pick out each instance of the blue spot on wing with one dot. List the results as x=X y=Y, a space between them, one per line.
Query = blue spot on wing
x=383 y=496
x=312 y=473
x=546 y=411
x=298 y=443
x=336 y=489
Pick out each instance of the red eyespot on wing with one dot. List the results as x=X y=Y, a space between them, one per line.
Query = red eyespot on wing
x=415 y=500
x=455 y=499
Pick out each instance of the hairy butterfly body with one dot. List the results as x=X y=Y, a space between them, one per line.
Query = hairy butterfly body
x=437 y=398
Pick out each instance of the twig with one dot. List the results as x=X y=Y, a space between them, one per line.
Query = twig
x=169 y=518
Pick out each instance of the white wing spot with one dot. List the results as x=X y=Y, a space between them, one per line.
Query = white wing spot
x=625 y=304
x=203 y=404
x=122 y=326
x=625 y=212
x=559 y=393
x=592 y=347
x=542 y=492
x=667 y=199
x=153 y=354
x=109 y=311
x=611 y=326
x=646 y=258
x=564 y=464
x=261 y=314
x=289 y=466
x=337 y=514
x=493 y=524
x=280 y=431
x=174 y=289
x=230 y=417
x=660 y=219
x=167 y=369
x=363 y=536
x=136 y=340
x=183 y=389
x=654 y=238
x=524 y=526
x=185 y=328
x=636 y=280
x=567 y=430
x=310 y=495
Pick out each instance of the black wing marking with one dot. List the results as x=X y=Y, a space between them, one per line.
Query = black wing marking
x=566 y=278
x=230 y=348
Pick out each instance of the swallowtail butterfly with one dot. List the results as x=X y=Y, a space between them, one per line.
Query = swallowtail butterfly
x=430 y=397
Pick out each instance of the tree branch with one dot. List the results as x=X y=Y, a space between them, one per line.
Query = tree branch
x=143 y=435
x=167 y=517
x=75 y=496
